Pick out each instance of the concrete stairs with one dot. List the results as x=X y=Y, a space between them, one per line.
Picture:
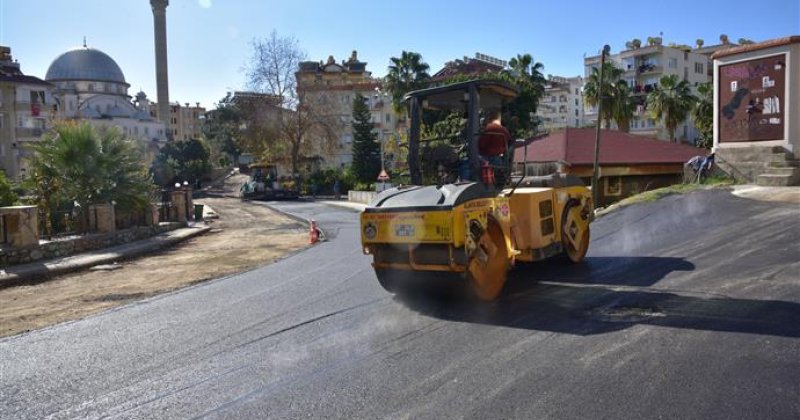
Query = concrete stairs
x=766 y=166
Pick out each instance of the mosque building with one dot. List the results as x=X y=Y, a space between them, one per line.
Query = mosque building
x=90 y=86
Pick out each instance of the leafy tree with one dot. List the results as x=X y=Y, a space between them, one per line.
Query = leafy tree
x=7 y=195
x=406 y=73
x=671 y=100
x=614 y=93
x=366 y=150
x=178 y=161
x=76 y=165
x=703 y=114
x=222 y=129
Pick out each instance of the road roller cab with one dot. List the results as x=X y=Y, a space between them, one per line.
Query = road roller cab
x=477 y=218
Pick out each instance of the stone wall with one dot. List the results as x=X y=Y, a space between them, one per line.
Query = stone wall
x=364 y=197
x=77 y=244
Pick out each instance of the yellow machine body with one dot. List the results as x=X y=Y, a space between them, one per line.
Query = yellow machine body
x=531 y=220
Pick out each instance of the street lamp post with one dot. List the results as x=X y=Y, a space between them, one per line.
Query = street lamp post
x=595 y=172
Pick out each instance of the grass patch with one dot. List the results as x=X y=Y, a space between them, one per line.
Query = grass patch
x=653 y=195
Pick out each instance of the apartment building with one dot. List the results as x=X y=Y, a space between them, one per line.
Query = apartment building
x=333 y=86
x=644 y=66
x=561 y=105
x=185 y=121
x=27 y=107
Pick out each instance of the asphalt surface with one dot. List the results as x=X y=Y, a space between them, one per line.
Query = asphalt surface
x=688 y=307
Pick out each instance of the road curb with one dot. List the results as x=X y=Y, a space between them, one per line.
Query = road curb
x=41 y=271
x=348 y=205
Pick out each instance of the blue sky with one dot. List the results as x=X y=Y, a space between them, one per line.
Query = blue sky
x=209 y=40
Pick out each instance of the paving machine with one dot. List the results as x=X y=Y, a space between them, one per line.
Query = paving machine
x=264 y=184
x=475 y=219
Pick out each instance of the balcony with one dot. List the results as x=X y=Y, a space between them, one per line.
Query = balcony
x=649 y=68
x=643 y=89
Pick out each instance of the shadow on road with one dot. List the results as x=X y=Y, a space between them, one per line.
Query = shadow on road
x=609 y=294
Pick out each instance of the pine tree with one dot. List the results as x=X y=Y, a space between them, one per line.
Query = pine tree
x=366 y=149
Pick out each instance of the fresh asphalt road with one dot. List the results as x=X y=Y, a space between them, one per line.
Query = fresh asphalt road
x=688 y=307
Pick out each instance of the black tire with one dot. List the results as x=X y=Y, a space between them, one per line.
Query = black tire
x=387 y=278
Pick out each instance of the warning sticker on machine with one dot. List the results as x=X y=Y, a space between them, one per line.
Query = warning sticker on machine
x=410 y=227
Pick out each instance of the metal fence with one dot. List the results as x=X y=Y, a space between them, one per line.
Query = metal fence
x=3 y=230
x=59 y=223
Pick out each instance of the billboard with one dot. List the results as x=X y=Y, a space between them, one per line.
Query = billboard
x=752 y=99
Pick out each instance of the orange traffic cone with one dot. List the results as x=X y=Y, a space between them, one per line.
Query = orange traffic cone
x=314 y=233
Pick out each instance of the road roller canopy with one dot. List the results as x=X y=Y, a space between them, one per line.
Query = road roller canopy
x=468 y=99
x=454 y=96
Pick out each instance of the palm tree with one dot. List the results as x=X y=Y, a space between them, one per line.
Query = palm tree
x=406 y=73
x=703 y=114
x=671 y=100
x=622 y=105
x=611 y=91
x=76 y=164
x=528 y=73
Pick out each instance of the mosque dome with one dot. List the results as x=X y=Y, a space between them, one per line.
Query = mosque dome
x=85 y=64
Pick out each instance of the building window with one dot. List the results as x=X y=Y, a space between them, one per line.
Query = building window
x=577 y=124
x=612 y=186
x=672 y=63
x=91 y=87
x=552 y=99
x=388 y=118
x=577 y=92
x=698 y=68
x=576 y=101
x=576 y=112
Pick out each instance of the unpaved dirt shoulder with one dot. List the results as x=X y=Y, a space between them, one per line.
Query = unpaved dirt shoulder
x=245 y=236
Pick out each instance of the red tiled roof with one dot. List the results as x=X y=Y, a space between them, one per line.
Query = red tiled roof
x=777 y=42
x=575 y=146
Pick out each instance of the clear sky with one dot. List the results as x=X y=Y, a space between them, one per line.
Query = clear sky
x=209 y=40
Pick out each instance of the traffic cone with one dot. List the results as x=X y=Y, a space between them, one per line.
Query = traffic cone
x=314 y=233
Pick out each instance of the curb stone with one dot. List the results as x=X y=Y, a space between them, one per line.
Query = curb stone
x=41 y=271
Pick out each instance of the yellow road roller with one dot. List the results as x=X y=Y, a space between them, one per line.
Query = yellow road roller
x=466 y=213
